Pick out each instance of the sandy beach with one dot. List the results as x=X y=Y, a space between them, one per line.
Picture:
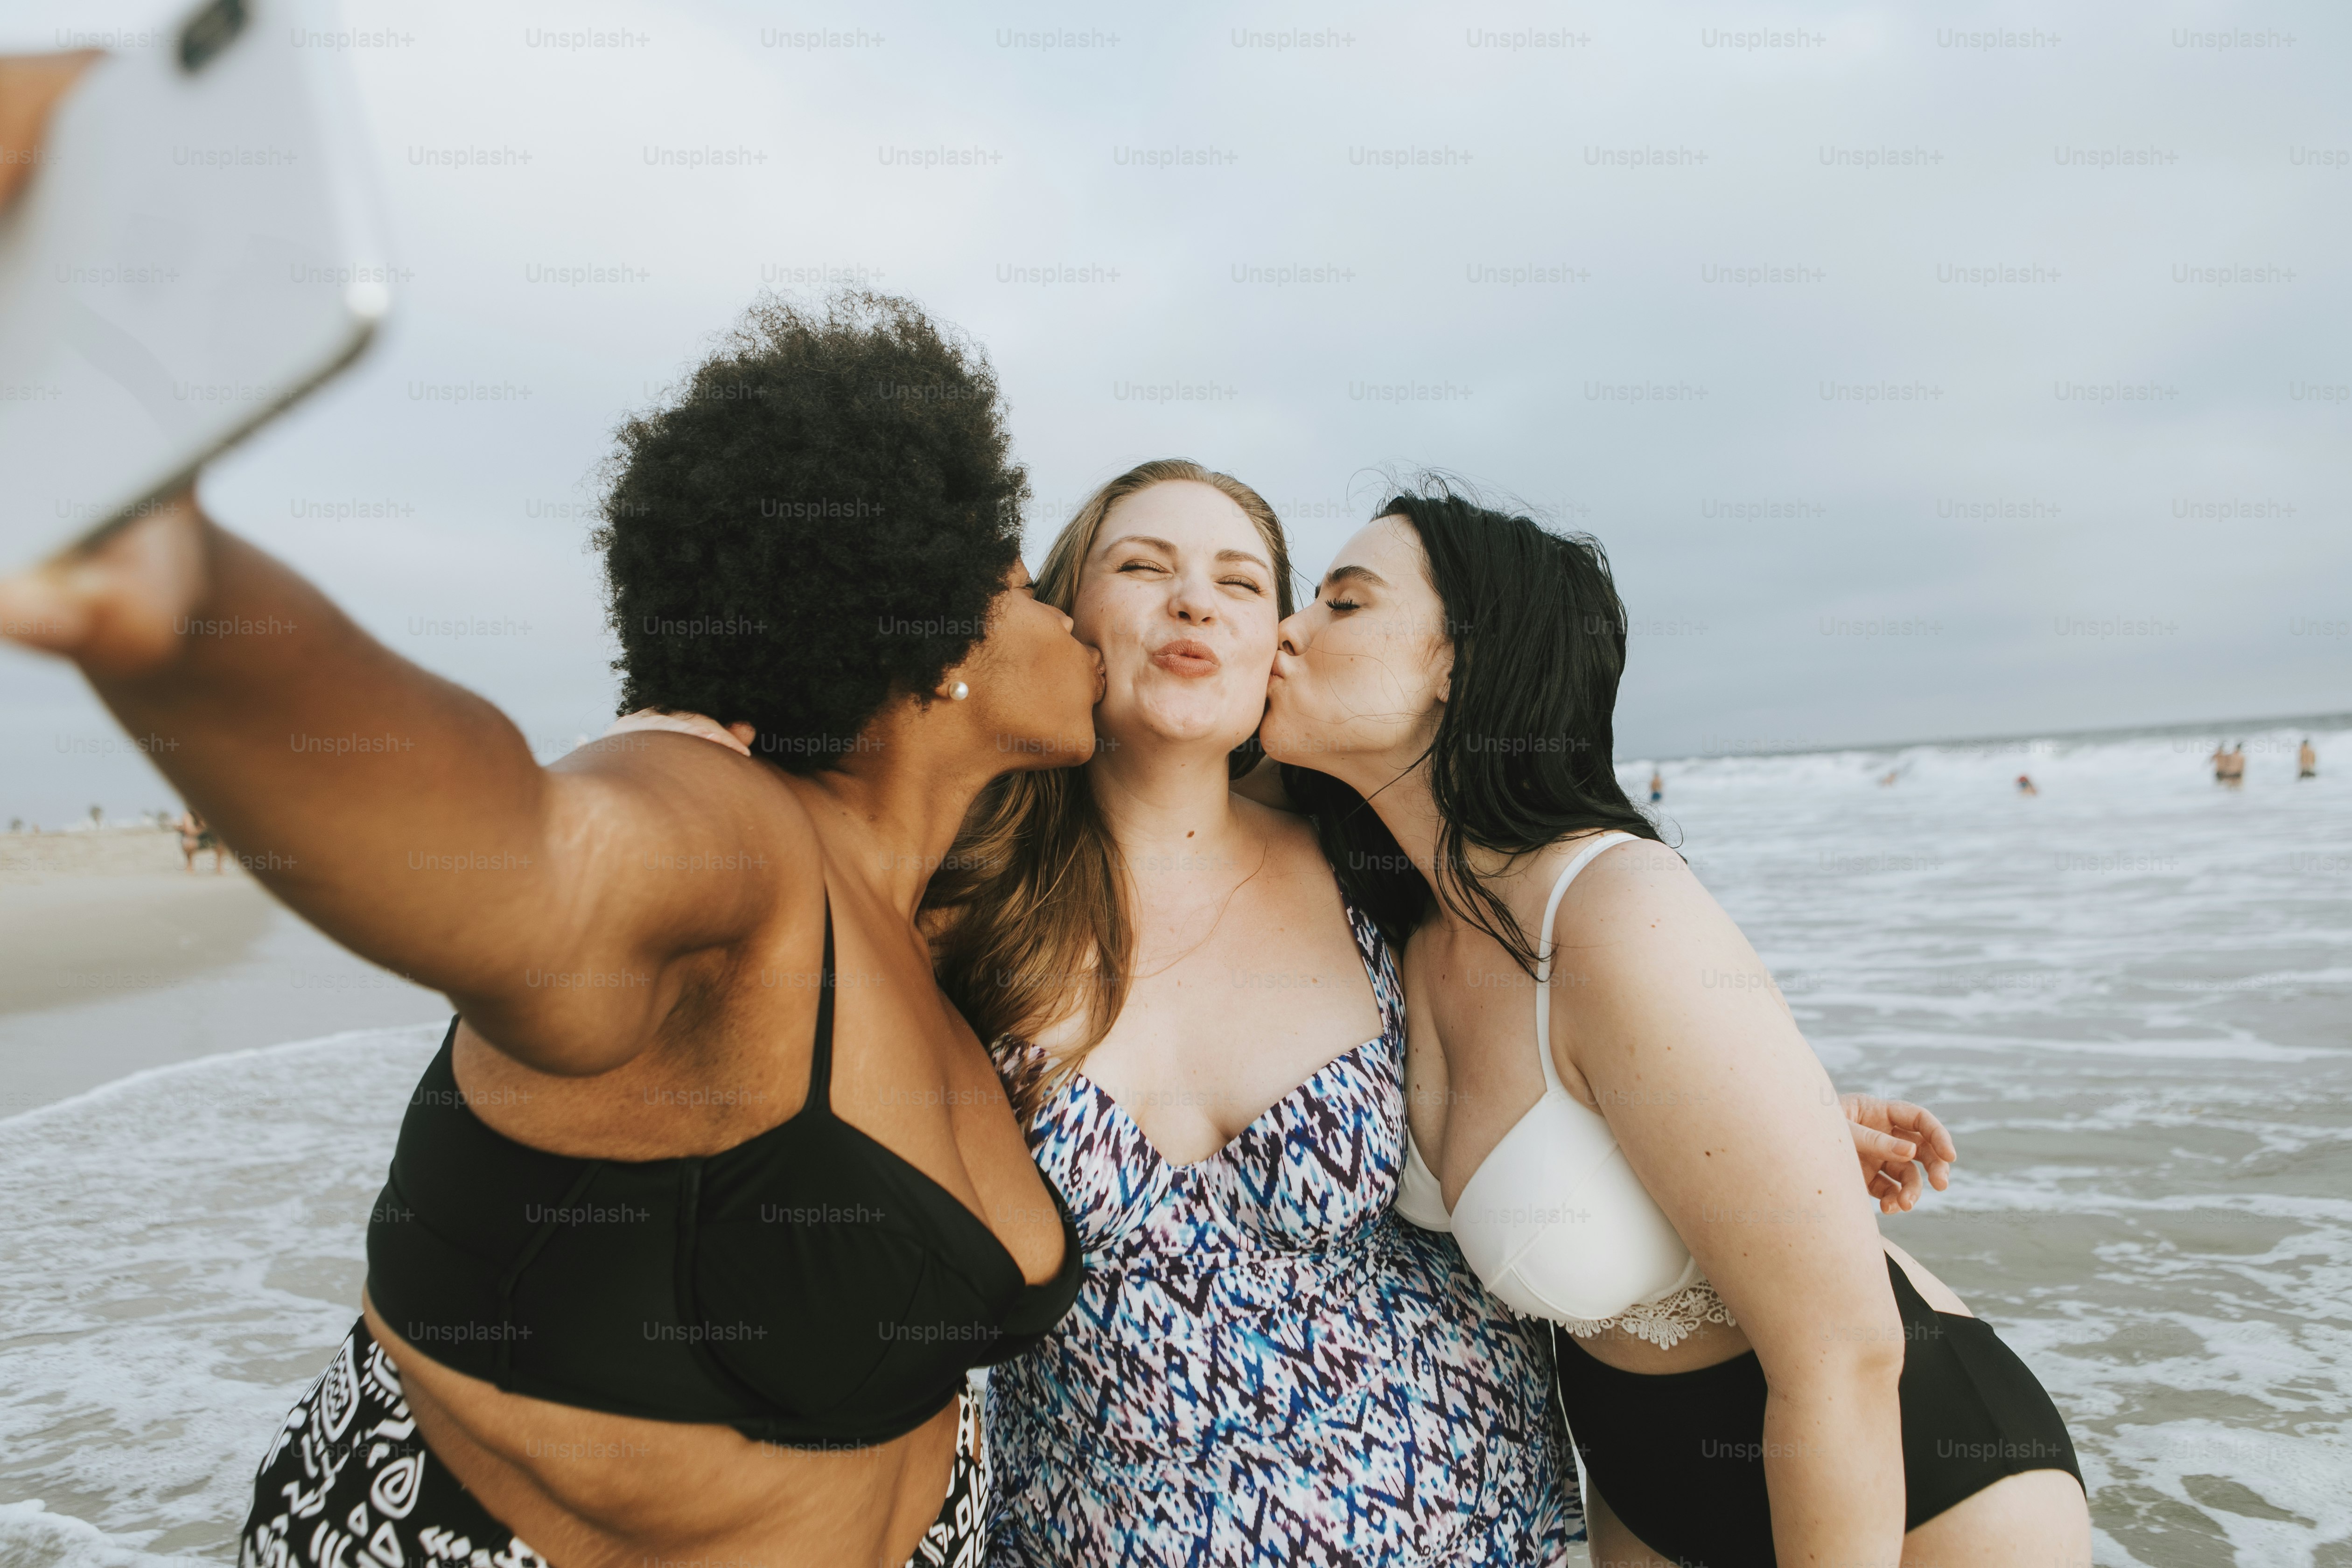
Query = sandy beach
x=114 y=959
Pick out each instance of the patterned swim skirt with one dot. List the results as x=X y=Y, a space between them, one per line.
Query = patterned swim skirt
x=349 y=1484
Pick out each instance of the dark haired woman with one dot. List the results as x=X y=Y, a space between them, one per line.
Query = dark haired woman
x=686 y=1251
x=1635 y=1145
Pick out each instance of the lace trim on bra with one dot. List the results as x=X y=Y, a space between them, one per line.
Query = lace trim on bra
x=1663 y=1323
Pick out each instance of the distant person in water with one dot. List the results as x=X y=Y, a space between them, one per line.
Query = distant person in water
x=196 y=836
x=2233 y=766
x=1892 y=774
x=2306 y=761
x=2025 y=785
x=2221 y=759
x=1658 y=784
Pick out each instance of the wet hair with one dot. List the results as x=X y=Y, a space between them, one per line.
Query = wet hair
x=1522 y=753
x=819 y=517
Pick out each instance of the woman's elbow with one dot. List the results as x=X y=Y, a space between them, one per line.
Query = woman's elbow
x=1860 y=1355
x=1878 y=1364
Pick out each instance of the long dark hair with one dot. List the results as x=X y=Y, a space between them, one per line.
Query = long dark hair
x=1521 y=758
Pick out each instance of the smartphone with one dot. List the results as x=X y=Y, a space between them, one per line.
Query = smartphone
x=196 y=251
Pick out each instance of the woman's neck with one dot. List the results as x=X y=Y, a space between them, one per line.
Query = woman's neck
x=1169 y=804
x=896 y=807
x=1400 y=797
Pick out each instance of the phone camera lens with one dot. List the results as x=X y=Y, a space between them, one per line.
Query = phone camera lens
x=210 y=31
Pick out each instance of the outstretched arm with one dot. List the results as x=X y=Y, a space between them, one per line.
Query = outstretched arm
x=402 y=815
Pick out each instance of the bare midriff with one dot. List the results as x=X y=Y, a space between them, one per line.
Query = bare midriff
x=589 y=1489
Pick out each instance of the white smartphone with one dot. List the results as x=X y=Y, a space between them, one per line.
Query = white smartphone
x=197 y=250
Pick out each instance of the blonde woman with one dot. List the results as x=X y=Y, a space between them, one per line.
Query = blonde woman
x=1206 y=1044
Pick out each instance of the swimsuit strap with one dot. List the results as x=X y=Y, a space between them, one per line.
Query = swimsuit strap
x=1543 y=958
x=820 y=1089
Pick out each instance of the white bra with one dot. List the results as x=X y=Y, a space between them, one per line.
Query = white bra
x=1555 y=1221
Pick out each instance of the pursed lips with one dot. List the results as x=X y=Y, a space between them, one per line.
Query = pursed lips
x=1187 y=658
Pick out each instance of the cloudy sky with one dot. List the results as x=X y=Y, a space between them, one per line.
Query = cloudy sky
x=1928 y=372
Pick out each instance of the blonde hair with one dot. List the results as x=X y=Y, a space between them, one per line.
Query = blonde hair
x=1032 y=925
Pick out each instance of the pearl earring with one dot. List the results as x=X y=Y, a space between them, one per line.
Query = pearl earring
x=958 y=691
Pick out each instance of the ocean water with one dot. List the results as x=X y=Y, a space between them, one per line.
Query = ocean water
x=183 y=1251
x=2130 y=996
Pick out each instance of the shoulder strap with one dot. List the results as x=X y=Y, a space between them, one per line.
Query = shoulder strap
x=1584 y=858
x=820 y=1089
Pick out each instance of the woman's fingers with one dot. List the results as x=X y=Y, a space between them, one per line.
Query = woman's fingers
x=36 y=610
x=1906 y=1185
x=1890 y=1193
x=120 y=606
x=1932 y=1143
x=30 y=86
x=735 y=737
x=1938 y=1151
x=1879 y=1150
x=1889 y=1150
x=1886 y=1162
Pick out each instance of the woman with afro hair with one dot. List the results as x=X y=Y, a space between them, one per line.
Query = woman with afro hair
x=710 y=1201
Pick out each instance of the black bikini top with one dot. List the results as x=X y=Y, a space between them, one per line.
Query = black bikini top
x=807 y=1288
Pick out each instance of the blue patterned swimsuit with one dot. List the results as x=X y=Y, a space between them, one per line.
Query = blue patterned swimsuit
x=1266 y=1366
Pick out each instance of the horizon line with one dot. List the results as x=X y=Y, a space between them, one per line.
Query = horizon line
x=2313 y=719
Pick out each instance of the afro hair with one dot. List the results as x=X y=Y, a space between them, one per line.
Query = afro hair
x=819 y=519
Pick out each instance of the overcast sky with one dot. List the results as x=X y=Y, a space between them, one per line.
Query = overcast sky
x=1907 y=359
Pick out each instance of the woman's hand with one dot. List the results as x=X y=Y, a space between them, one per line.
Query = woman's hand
x=116 y=607
x=30 y=88
x=1889 y=1135
x=119 y=608
x=737 y=737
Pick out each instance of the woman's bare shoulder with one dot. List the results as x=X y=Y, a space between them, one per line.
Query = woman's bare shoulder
x=1637 y=880
x=1543 y=866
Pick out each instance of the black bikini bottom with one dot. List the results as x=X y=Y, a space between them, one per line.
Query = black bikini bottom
x=1679 y=1457
x=349 y=1484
